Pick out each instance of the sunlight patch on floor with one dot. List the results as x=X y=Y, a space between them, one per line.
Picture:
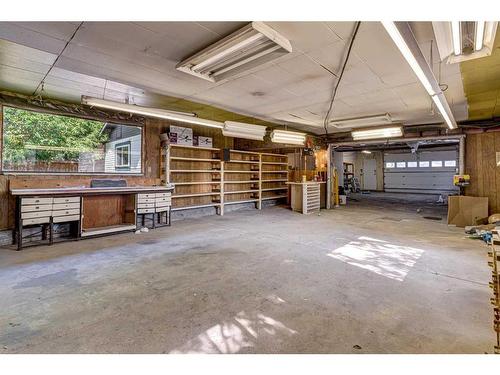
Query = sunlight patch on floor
x=241 y=332
x=382 y=257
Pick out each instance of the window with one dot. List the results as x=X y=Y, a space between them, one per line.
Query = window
x=46 y=143
x=412 y=164
x=122 y=155
x=436 y=163
x=450 y=163
x=390 y=164
x=400 y=164
x=423 y=164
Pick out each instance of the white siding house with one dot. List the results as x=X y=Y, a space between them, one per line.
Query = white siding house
x=116 y=159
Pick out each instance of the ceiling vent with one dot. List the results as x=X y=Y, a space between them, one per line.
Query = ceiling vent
x=246 y=48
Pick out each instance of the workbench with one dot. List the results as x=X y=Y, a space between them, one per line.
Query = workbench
x=90 y=211
x=306 y=196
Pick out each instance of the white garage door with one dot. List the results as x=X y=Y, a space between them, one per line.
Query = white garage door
x=422 y=172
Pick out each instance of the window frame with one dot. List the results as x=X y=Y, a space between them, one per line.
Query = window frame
x=123 y=173
x=129 y=154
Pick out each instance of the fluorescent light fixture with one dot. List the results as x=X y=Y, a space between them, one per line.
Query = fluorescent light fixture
x=242 y=130
x=355 y=122
x=457 y=40
x=285 y=136
x=442 y=106
x=149 y=112
x=390 y=132
x=478 y=43
x=246 y=48
x=366 y=151
x=403 y=37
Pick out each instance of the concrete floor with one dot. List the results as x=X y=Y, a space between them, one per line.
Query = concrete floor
x=358 y=279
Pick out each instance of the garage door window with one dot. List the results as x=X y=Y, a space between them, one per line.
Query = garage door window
x=423 y=164
x=389 y=165
x=450 y=163
x=436 y=163
x=401 y=164
x=412 y=164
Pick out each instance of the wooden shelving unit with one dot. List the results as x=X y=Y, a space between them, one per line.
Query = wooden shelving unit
x=197 y=175
x=243 y=168
x=274 y=176
x=202 y=179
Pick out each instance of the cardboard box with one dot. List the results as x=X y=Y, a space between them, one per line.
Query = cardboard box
x=464 y=210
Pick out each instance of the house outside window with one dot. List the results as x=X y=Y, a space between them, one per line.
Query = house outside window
x=122 y=152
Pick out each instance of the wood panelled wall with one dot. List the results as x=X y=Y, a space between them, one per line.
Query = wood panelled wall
x=481 y=165
x=150 y=161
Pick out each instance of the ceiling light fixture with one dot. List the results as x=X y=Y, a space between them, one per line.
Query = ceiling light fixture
x=285 y=136
x=364 y=121
x=478 y=42
x=366 y=151
x=459 y=41
x=242 y=130
x=246 y=48
x=403 y=37
x=149 y=112
x=389 y=132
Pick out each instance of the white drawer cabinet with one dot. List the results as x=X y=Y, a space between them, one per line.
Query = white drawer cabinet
x=163 y=195
x=62 y=219
x=66 y=206
x=146 y=205
x=35 y=201
x=74 y=211
x=145 y=200
x=148 y=195
x=67 y=200
x=35 y=214
x=37 y=220
x=146 y=210
x=38 y=207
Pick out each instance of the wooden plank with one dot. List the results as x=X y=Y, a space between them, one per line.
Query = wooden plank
x=496 y=205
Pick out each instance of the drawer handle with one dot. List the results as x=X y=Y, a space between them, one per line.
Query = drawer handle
x=37 y=207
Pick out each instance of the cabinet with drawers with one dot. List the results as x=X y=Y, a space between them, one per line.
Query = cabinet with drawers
x=154 y=208
x=44 y=212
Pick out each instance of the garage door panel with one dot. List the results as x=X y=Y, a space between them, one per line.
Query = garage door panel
x=437 y=179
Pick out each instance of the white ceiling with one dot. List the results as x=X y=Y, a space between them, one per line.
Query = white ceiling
x=137 y=60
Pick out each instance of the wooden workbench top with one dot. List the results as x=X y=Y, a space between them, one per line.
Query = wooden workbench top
x=88 y=190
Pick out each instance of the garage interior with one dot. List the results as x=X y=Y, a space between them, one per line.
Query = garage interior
x=249 y=187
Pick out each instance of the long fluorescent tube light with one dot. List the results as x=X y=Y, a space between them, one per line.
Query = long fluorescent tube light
x=390 y=132
x=243 y=130
x=457 y=39
x=246 y=48
x=403 y=37
x=149 y=112
x=440 y=102
x=478 y=44
x=288 y=137
x=353 y=122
